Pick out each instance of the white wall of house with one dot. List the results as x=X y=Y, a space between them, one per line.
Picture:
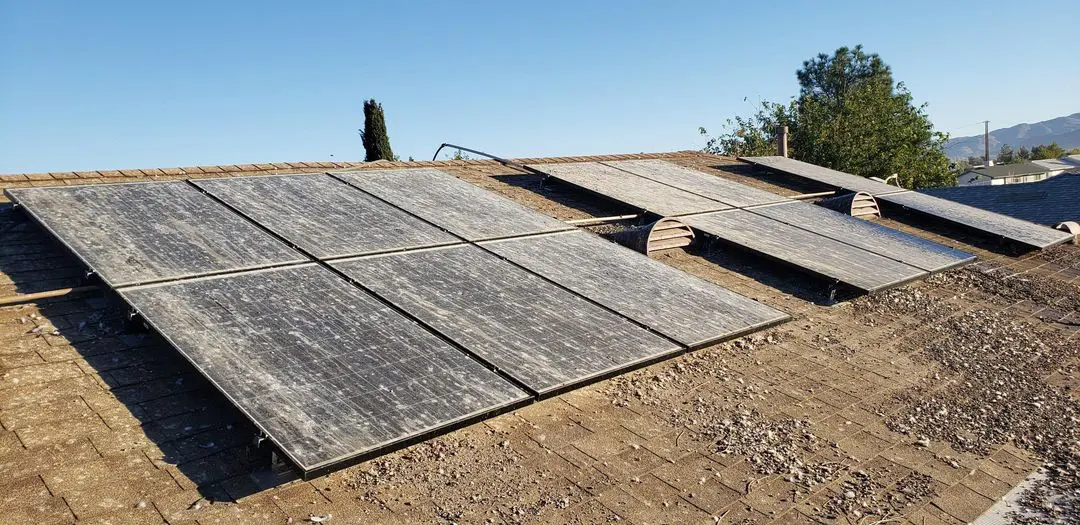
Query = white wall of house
x=971 y=178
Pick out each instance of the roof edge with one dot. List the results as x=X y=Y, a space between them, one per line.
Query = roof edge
x=300 y=167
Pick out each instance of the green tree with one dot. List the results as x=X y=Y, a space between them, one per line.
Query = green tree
x=1023 y=154
x=751 y=136
x=852 y=116
x=1047 y=151
x=1005 y=155
x=376 y=140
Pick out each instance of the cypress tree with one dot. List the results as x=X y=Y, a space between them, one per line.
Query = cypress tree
x=376 y=140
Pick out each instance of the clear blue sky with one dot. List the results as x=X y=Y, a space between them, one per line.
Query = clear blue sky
x=98 y=85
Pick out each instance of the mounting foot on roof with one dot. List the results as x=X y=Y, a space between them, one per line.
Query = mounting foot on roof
x=664 y=234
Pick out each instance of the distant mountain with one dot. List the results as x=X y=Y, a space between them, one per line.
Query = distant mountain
x=1063 y=130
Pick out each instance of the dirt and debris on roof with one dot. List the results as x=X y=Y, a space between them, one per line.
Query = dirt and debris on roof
x=922 y=404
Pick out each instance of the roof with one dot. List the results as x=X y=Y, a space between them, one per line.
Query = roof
x=1051 y=201
x=1064 y=163
x=1009 y=170
x=102 y=423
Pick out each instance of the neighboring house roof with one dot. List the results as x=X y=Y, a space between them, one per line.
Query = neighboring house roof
x=1010 y=170
x=1050 y=202
x=1064 y=163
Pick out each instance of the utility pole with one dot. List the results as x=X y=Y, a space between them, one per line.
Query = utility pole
x=986 y=141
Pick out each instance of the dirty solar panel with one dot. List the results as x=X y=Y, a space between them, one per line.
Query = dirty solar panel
x=142 y=232
x=823 y=175
x=717 y=188
x=542 y=335
x=690 y=310
x=1013 y=229
x=821 y=255
x=453 y=204
x=326 y=370
x=324 y=216
x=903 y=247
x=630 y=189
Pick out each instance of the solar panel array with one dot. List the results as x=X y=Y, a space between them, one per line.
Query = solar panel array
x=346 y=313
x=1015 y=230
x=834 y=246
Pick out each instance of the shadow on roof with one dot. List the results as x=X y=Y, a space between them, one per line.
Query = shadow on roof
x=184 y=425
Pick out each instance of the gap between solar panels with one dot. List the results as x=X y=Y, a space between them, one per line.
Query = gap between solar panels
x=352 y=314
x=839 y=248
x=1016 y=231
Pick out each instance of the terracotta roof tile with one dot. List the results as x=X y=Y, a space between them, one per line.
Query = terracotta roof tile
x=131 y=173
x=152 y=172
x=173 y=171
x=110 y=173
x=39 y=176
x=13 y=178
x=50 y=182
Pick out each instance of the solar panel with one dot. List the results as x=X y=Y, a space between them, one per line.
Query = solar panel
x=324 y=216
x=823 y=175
x=327 y=371
x=453 y=204
x=812 y=252
x=631 y=189
x=717 y=188
x=144 y=232
x=540 y=334
x=897 y=245
x=1016 y=230
x=681 y=306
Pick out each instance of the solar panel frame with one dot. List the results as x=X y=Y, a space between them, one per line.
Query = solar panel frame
x=324 y=216
x=544 y=336
x=452 y=204
x=806 y=250
x=831 y=177
x=631 y=189
x=870 y=236
x=723 y=190
x=112 y=228
x=690 y=310
x=321 y=369
x=1016 y=230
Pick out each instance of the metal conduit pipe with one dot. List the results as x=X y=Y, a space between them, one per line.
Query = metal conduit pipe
x=500 y=160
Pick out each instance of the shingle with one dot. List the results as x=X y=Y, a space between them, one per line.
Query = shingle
x=1051 y=201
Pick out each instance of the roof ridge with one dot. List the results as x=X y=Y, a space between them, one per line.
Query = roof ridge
x=226 y=170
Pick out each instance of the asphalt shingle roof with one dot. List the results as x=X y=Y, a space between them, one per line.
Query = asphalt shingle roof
x=1051 y=201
